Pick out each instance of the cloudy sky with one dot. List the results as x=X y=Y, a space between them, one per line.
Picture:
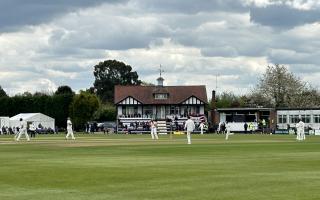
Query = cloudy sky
x=45 y=43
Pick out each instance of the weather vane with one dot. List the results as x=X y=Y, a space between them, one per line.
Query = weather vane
x=161 y=70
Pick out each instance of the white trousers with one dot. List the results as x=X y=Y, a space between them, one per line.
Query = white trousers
x=70 y=133
x=189 y=137
x=201 y=131
x=227 y=134
x=301 y=135
x=16 y=134
x=154 y=134
x=23 y=131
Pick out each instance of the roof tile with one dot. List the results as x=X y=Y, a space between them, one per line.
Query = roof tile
x=144 y=94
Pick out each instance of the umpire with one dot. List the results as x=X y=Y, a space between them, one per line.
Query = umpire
x=32 y=130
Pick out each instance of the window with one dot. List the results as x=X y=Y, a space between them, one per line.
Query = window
x=129 y=110
x=147 y=110
x=161 y=96
x=167 y=110
x=177 y=110
x=294 y=119
x=172 y=110
x=197 y=109
x=306 y=118
x=229 y=118
x=194 y=110
x=123 y=110
x=316 y=118
x=282 y=119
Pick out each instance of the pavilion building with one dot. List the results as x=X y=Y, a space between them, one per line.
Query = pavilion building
x=137 y=105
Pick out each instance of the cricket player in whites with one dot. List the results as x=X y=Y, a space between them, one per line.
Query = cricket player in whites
x=189 y=126
x=69 y=129
x=153 y=128
x=201 y=128
x=300 y=130
x=228 y=127
x=23 y=130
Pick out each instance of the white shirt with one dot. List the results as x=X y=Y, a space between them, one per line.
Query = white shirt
x=228 y=126
x=153 y=124
x=189 y=125
x=23 y=125
x=32 y=128
x=69 y=124
x=202 y=125
x=300 y=125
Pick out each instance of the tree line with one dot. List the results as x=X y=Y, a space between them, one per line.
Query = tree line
x=93 y=104
x=56 y=105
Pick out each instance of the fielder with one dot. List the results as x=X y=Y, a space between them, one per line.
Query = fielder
x=201 y=127
x=153 y=128
x=228 y=127
x=189 y=126
x=300 y=131
x=69 y=129
x=23 y=130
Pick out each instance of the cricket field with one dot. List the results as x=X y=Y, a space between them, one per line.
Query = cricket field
x=246 y=167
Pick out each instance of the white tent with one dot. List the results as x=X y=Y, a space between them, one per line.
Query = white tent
x=36 y=118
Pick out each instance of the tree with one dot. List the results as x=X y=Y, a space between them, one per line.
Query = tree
x=110 y=73
x=61 y=101
x=56 y=106
x=278 y=87
x=59 y=108
x=307 y=98
x=27 y=94
x=2 y=93
x=228 y=100
x=257 y=99
x=82 y=108
x=64 y=89
x=106 y=112
x=91 y=90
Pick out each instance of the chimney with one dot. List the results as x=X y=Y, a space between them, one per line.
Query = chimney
x=213 y=100
x=214 y=113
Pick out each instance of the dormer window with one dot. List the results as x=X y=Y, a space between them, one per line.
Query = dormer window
x=161 y=96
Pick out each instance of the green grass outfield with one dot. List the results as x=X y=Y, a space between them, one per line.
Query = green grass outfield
x=262 y=167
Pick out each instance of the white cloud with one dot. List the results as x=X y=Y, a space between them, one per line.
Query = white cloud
x=304 y=4
x=21 y=81
x=297 y=4
x=194 y=44
x=185 y=65
x=259 y=3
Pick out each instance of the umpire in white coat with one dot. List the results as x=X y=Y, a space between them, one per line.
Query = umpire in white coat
x=189 y=126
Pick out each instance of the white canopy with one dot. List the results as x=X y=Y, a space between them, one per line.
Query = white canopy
x=36 y=118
